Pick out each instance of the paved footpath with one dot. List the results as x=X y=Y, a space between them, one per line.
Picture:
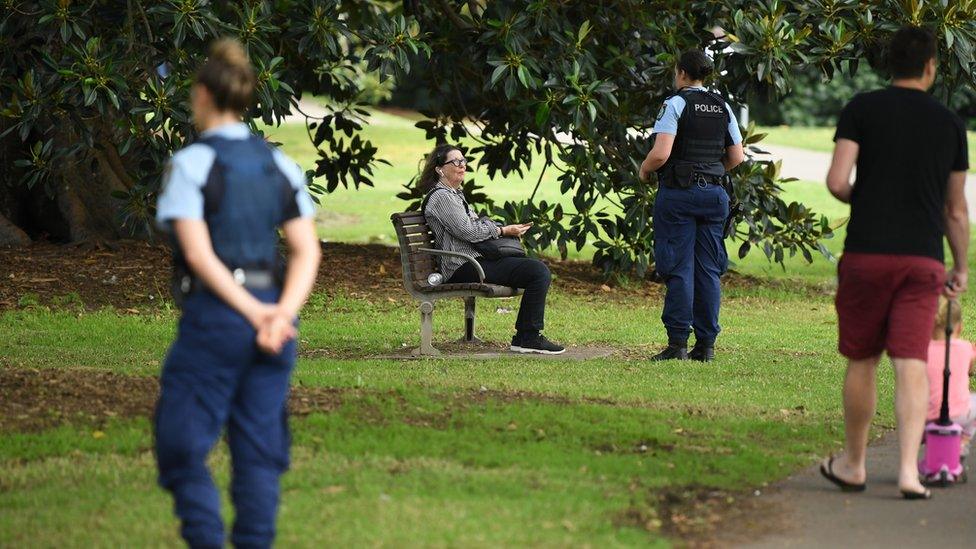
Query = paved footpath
x=813 y=165
x=817 y=514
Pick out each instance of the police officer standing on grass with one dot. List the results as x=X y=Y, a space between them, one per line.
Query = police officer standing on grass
x=224 y=199
x=697 y=140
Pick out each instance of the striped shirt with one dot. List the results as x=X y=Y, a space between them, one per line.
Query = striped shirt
x=456 y=227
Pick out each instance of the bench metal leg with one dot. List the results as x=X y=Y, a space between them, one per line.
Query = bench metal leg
x=469 y=336
x=426 y=331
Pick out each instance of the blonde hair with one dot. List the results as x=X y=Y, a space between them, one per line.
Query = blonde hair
x=942 y=316
x=228 y=76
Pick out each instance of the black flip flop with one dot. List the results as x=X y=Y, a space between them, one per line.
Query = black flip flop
x=828 y=473
x=912 y=495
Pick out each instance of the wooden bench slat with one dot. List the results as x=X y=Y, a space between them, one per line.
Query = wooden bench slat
x=421 y=269
x=484 y=290
x=410 y=218
x=419 y=239
x=417 y=229
x=426 y=232
x=421 y=259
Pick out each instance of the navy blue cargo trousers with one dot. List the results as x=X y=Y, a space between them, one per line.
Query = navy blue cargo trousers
x=689 y=254
x=213 y=376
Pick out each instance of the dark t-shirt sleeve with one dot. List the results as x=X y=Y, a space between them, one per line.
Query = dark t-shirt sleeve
x=962 y=149
x=847 y=123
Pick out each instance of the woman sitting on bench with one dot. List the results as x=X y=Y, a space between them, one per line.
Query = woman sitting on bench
x=456 y=229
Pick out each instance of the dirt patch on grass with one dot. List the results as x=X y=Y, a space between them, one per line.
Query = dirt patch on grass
x=37 y=399
x=33 y=400
x=133 y=276
x=701 y=516
x=125 y=275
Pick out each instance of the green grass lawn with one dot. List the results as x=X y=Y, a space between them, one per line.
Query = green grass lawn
x=414 y=459
x=349 y=215
x=460 y=452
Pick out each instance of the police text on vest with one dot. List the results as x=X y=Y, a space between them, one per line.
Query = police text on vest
x=708 y=108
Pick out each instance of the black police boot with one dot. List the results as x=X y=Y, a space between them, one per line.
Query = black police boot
x=672 y=352
x=702 y=352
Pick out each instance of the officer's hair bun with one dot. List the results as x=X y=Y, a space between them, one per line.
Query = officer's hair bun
x=228 y=76
x=696 y=64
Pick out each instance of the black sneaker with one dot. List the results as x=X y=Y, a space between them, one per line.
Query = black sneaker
x=537 y=344
x=516 y=343
x=702 y=353
x=671 y=352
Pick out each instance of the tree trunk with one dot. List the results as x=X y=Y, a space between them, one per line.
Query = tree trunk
x=81 y=209
x=78 y=207
x=76 y=214
x=12 y=235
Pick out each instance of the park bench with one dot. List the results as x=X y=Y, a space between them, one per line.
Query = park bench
x=418 y=258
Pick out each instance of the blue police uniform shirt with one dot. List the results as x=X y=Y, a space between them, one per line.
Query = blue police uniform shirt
x=667 y=120
x=186 y=175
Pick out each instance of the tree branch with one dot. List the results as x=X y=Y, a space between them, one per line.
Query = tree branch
x=473 y=6
x=145 y=22
x=539 y=181
x=452 y=15
x=109 y=155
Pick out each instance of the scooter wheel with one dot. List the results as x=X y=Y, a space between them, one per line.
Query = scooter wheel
x=937 y=480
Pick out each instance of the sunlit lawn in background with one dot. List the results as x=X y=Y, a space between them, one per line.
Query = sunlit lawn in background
x=350 y=215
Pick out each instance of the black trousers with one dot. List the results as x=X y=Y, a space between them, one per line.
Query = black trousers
x=526 y=273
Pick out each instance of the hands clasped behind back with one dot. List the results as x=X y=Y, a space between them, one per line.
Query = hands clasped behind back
x=278 y=330
x=274 y=326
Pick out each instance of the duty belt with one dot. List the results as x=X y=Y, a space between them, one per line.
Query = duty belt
x=707 y=179
x=699 y=179
x=250 y=279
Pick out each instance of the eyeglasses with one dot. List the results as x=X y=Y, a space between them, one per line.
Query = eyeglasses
x=458 y=162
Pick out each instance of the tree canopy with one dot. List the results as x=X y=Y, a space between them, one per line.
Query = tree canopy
x=94 y=95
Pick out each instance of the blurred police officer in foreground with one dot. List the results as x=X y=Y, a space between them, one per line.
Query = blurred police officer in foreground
x=697 y=140
x=224 y=199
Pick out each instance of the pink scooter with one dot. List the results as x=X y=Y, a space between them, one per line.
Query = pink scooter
x=941 y=465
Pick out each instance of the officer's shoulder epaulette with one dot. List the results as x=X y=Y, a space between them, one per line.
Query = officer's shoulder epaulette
x=669 y=96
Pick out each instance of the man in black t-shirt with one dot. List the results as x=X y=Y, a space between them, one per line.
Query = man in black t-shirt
x=911 y=158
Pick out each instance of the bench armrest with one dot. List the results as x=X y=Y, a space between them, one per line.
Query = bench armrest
x=466 y=257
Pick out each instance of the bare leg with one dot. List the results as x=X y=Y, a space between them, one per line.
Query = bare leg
x=860 y=398
x=911 y=406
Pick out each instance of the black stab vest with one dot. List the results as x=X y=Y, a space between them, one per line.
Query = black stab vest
x=246 y=198
x=700 y=142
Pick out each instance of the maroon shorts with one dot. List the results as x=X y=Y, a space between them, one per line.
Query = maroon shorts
x=887 y=302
